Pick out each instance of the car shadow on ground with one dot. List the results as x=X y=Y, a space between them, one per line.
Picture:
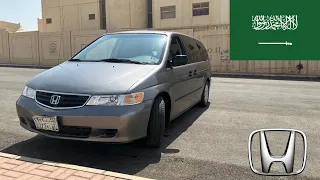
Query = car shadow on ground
x=124 y=158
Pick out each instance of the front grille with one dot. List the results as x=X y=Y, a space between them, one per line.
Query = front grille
x=70 y=131
x=65 y=100
x=66 y=131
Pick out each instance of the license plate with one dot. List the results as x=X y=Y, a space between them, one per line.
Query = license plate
x=46 y=123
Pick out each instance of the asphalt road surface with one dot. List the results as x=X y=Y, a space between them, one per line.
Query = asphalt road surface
x=210 y=143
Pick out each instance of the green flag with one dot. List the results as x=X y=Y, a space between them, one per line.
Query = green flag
x=274 y=30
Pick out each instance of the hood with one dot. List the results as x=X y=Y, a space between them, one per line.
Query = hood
x=90 y=77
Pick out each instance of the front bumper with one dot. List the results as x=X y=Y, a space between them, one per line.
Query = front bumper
x=89 y=123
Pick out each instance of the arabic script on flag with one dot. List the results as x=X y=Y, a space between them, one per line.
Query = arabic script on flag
x=275 y=22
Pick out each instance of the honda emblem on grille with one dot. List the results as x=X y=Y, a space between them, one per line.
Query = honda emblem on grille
x=287 y=159
x=55 y=99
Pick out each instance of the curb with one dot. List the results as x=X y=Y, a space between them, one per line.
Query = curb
x=25 y=66
x=74 y=167
x=268 y=76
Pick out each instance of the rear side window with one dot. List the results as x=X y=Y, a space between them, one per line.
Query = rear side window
x=192 y=48
x=202 y=51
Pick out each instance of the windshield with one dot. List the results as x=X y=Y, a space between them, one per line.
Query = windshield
x=144 y=48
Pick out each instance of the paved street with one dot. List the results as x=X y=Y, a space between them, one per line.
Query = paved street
x=201 y=144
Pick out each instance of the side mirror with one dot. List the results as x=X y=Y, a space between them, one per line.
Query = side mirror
x=180 y=60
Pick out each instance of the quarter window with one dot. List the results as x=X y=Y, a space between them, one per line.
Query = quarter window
x=203 y=52
x=198 y=46
x=192 y=49
x=200 y=9
x=168 y=12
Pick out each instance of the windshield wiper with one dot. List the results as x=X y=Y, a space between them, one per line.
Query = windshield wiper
x=115 y=60
x=76 y=60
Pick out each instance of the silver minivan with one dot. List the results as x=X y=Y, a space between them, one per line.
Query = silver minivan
x=122 y=87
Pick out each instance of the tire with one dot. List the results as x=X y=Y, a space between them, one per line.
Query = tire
x=205 y=96
x=156 y=125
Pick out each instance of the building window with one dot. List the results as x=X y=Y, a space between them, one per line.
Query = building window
x=49 y=20
x=168 y=12
x=200 y=9
x=92 y=16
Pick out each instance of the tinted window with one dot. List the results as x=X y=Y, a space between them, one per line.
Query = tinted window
x=146 y=48
x=192 y=49
x=176 y=48
x=202 y=51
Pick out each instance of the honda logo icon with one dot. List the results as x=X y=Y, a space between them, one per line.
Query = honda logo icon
x=267 y=159
x=55 y=99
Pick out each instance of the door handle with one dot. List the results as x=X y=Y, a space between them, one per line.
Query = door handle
x=190 y=73
x=195 y=72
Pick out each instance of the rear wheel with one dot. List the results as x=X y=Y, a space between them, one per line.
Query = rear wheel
x=156 y=125
x=205 y=95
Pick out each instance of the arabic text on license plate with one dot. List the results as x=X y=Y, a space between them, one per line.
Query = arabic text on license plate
x=46 y=123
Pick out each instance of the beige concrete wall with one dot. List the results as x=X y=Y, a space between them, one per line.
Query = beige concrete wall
x=216 y=40
x=40 y=25
x=24 y=48
x=54 y=48
x=218 y=13
x=313 y=67
x=126 y=14
x=81 y=39
x=93 y=7
x=70 y=15
x=281 y=67
x=55 y=14
x=189 y=32
x=10 y=27
x=43 y=48
x=4 y=47
x=73 y=15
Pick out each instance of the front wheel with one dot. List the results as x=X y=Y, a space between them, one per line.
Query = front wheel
x=156 y=125
x=205 y=95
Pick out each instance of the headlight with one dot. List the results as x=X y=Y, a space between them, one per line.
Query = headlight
x=116 y=100
x=29 y=92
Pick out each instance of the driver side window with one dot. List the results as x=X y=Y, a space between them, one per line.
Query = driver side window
x=176 y=48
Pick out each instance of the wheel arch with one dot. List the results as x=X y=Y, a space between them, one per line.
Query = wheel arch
x=168 y=104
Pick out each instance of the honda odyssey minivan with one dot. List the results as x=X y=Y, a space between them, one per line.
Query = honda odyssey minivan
x=122 y=87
